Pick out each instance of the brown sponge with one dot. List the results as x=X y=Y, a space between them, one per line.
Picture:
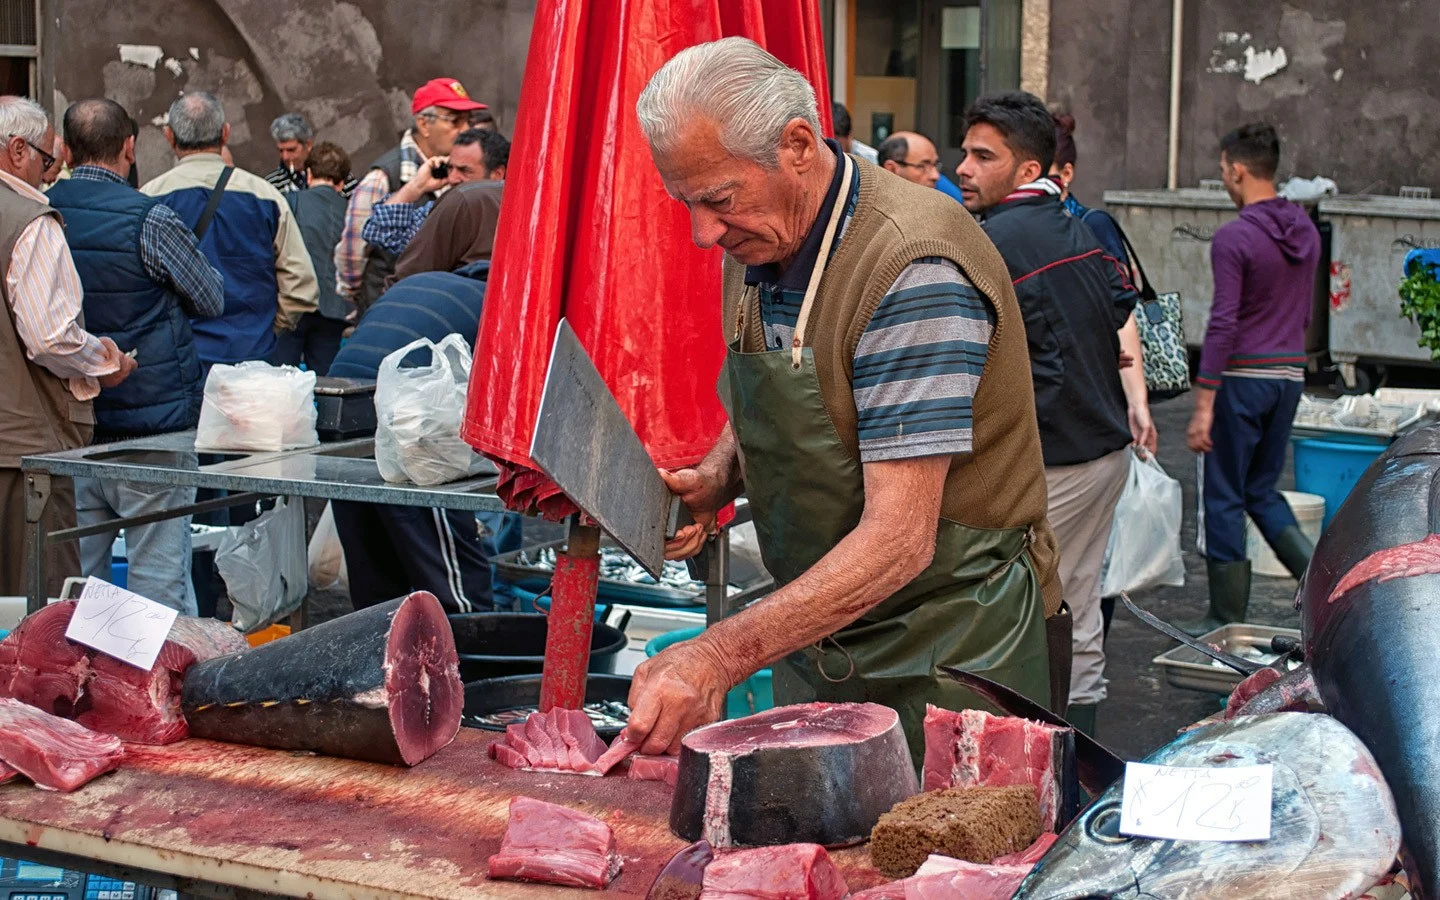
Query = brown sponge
x=975 y=824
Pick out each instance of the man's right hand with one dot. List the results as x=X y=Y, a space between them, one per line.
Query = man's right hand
x=424 y=182
x=126 y=364
x=700 y=491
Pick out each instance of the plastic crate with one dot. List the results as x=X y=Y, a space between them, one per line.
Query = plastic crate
x=1331 y=469
x=754 y=694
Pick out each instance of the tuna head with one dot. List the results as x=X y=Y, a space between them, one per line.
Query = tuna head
x=1334 y=832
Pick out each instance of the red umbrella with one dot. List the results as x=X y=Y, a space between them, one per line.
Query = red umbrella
x=588 y=233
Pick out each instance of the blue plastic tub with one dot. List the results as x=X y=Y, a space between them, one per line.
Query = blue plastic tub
x=1332 y=469
x=750 y=696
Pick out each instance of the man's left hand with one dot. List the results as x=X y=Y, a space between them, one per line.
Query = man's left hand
x=674 y=692
x=1197 y=436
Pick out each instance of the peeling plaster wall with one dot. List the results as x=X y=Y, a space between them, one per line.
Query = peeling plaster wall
x=348 y=65
x=1344 y=83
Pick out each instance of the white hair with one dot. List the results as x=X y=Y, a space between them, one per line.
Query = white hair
x=23 y=118
x=749 y=94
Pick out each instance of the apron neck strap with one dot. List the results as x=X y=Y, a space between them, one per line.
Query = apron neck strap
x=821 y=260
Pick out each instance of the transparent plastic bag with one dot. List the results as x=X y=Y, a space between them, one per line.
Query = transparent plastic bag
x=257 y=406
x=264 y=567
x=418 y=411
x=1144 y=549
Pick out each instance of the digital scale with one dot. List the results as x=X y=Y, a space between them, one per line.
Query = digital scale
x=21 y=880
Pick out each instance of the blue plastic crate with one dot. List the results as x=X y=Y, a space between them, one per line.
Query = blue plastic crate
x=754 y=694
x=1332 y=469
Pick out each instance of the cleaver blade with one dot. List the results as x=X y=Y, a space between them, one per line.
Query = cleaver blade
x=584 y=444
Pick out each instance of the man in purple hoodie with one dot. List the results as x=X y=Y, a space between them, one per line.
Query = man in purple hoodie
x=1252 y=370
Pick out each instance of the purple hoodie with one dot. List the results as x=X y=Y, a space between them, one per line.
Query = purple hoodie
x=1264 y=264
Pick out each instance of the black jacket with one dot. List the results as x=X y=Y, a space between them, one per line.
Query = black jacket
x=1074 y=299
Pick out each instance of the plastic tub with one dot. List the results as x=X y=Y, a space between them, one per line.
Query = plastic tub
x=1331 y=469
x=750 y=696
x=1309 y=510
x=492 y=645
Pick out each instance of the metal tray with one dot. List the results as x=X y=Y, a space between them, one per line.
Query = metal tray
x=1190 y=670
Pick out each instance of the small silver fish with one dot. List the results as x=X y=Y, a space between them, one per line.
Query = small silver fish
x=1334 y=831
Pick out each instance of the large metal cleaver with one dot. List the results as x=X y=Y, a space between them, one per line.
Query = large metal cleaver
x=584 y=443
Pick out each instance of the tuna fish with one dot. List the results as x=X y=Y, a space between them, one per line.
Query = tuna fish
x=1334 y=830
x=1368 y=608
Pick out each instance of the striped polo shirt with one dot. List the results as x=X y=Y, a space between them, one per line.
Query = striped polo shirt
x=918 y=363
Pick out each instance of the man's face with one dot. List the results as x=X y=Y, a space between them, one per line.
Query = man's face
x=1231 y=174
x=752 y=212
x=921 y=164
x=293 y=154
x=467 y=163
x=989 y=170
x=24 y=161
x=440 y=129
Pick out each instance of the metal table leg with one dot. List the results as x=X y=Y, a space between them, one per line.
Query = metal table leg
x=717 y=577
x=37 y=502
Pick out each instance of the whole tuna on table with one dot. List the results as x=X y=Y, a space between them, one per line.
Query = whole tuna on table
x=1333 y=828
x=1369 y=606
x=380 y=684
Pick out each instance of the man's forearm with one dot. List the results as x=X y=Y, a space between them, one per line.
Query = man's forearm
x=723 y=462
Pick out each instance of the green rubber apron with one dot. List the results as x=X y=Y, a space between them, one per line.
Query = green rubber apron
x=977 y=606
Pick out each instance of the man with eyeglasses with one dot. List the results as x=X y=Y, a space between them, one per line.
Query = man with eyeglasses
x=51 y=366
x=911 y=156
x=442 y=109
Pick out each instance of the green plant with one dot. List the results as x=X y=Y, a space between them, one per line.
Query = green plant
x=1420 y=302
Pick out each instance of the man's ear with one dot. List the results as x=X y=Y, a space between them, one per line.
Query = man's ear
x=170 y=137
x=1029 y=171
x=225 y=134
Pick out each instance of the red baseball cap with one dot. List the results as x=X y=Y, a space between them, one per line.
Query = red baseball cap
x=446 y=93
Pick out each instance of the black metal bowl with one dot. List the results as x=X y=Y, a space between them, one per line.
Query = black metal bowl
x=493 y=645
x=522 y=692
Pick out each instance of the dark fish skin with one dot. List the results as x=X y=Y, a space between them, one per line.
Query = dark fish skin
x=1373 y=648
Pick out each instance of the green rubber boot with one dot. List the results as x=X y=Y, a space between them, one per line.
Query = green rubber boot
x=1082 y=716
x=1294 y=550
x=1229 y=596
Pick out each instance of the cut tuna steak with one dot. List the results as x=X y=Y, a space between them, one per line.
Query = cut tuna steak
x=655 y=768
x=40 y=666
x=54 y=753
x=788 y=872
x=8 y=774
x=817 y=773
x=144 y=707
x=972 y=748
x=562 y=740
x=380 y=684
x=554 y=844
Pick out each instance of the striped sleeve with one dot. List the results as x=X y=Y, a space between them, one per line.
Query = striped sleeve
x=918 y=364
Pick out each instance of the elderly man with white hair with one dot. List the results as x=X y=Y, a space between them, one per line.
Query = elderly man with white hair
x=52 y=368
x=882 y=423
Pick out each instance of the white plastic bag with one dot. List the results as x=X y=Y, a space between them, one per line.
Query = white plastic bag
x=257 y=406
x=418 y=412
x=326 y=555
x=1144 y=550
x=263 y=564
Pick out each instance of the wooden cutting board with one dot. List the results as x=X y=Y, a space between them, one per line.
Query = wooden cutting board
x=305 y=825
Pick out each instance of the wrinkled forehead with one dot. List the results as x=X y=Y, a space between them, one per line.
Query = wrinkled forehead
x=697 y=166
x=466 y=153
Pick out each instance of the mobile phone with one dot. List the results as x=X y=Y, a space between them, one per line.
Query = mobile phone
x=440 y=170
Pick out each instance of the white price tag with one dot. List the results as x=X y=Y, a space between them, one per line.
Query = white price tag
x=1229 y=803
x=120 y=624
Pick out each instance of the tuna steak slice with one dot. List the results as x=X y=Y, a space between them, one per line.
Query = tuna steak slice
x=54 y=753
x=554 y=844
x=381 y=684
x=8 y=774
x=144 y=707
x=788 y=872
x=40 y=666
x=655 y=768
x=972 y=748
x=942 y=878
x=563 y=740
x=819 y=773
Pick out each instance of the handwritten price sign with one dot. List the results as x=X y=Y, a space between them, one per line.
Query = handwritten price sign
x=120 y=624
x=1230 y=803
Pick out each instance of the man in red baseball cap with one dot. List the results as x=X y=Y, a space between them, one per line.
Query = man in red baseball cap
x=442 y=109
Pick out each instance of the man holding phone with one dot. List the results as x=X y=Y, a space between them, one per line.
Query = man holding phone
x=478 y=155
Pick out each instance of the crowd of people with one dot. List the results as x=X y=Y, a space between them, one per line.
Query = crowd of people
x=999 y=366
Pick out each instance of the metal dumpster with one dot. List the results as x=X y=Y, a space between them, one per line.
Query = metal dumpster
x=1171 y=231
x=1371 y=237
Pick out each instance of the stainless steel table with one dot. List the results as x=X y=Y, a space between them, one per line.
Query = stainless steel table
x=344 y=470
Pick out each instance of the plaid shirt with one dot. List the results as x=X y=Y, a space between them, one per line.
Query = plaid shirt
x=394 y=225
x=369 y=193
x=171 y=254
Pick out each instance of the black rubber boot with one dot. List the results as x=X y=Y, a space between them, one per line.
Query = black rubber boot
x=1294 y=550
x=1229 y=596
x=1082 y=716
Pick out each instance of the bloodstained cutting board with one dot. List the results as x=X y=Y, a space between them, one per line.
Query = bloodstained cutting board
x=304 y=825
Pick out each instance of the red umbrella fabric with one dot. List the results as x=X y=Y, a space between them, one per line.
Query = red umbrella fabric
x=588 y=233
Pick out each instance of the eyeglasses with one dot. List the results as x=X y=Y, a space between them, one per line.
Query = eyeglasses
x=923 y=165
x=46 y=158
x=459 y=120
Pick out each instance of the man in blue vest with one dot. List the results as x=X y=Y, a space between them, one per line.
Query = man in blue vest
x=144 y=278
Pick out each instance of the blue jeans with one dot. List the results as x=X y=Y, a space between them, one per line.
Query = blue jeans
x=158 y=554
x=1250 y=434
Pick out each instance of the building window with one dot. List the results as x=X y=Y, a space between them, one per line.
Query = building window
x=19 y=47
x=887 y=62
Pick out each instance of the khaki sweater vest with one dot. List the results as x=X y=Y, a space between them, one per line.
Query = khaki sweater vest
x=1001 y=484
